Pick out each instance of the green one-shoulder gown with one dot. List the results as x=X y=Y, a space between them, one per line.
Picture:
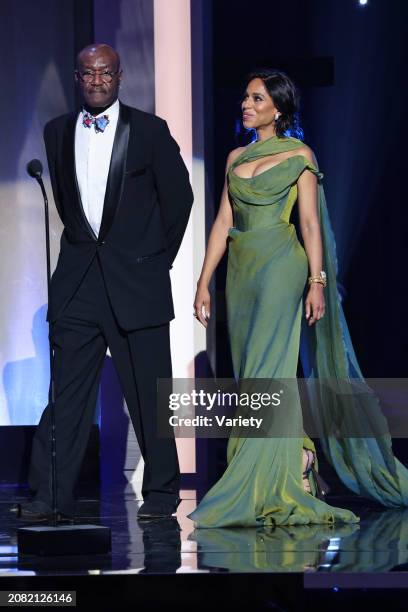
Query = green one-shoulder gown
x=266 y=279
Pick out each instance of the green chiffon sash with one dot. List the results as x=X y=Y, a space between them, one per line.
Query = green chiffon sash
x=346 y=413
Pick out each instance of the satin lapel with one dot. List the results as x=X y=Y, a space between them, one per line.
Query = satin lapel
x=114 y=186
x=70 y=171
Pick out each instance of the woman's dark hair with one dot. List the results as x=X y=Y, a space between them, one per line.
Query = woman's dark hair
x=285 y=97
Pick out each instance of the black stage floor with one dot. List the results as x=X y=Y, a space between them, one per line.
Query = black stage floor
x=166 y=564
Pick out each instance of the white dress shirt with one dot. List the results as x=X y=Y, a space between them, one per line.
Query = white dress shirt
x=93 y=151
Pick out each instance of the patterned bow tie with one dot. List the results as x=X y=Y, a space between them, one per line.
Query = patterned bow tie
x=100 y=123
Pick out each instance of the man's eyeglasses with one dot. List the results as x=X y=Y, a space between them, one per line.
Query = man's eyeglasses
x=88 y=75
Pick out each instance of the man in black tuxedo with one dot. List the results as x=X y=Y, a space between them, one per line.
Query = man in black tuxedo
x=123 y=194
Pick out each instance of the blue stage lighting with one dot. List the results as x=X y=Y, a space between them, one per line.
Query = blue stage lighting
x=363 y=2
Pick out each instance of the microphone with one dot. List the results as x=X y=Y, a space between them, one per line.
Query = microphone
x=35 y=169
x=77 y=540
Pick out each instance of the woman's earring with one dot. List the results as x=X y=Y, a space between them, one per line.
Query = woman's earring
x=277 y=116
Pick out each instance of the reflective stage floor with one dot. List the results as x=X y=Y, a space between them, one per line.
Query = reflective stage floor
x=281 y=568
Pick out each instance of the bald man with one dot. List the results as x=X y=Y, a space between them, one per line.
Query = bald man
x=123 y=194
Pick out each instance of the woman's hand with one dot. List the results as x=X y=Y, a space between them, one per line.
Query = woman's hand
x=315 y=304
x=202 y=304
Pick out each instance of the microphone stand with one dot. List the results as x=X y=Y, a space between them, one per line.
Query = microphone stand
x=57 y=539
x=51 y=391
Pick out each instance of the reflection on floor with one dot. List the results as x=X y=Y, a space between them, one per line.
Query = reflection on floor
x=378 y=544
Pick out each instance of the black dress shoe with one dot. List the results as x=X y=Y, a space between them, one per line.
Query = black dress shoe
x=38 y=511
x=157 y=509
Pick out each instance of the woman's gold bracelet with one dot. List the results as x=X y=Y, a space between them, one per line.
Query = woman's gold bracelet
x=322 y=279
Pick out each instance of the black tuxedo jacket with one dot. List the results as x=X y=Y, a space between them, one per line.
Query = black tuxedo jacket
x=146 y=209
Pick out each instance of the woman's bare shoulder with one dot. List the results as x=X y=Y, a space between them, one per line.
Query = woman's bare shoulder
x=232 y=155
x=307 y=152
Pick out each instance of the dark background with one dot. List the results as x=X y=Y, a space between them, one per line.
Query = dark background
x=349 y=62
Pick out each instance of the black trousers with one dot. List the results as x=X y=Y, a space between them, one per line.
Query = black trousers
x=80 y=338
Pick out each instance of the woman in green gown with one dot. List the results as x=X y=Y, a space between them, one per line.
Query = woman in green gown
x=269 y=480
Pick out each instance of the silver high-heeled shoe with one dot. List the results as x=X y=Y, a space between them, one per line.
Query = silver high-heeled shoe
x=320 y=485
